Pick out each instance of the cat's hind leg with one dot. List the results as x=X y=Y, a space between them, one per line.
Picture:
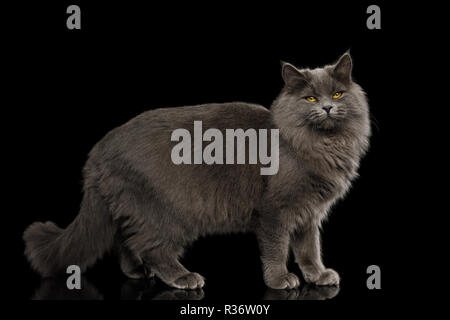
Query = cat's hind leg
x=129 y=208
x=163 y=261
x=159 y=257
x=132 y=265
x=154 y=235
x=159 y=250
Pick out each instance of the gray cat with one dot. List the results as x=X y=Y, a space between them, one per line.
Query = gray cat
x=139 y=203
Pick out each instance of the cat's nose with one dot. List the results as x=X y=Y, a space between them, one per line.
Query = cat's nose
x=327 y=108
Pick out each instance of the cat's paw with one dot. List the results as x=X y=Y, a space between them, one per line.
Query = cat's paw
x=328 y=277
x=177 y=294
x=288 y=294
x=285 y=281
x=190 y=280
x=313 y=292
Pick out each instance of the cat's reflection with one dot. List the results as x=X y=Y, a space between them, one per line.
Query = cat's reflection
x=56 y=289
x=306 y=292
x=152 y=290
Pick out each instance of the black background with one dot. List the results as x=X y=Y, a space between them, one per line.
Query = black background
x=70 y=87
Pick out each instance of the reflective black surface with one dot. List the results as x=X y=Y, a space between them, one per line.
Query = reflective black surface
x=56 y=289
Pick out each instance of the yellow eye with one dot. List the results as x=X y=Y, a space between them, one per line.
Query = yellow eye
x=337 y=95
x=311 y=99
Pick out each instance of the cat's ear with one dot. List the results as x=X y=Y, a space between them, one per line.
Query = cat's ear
x=293 y=78
x=342 y=70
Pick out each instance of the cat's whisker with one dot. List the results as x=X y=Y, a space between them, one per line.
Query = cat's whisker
x=374 y=121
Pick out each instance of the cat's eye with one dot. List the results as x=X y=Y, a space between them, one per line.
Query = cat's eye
x=311 y=99
x=337 y=94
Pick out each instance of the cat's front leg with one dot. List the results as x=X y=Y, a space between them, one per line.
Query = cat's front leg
x=305 y=243
x=274 y=245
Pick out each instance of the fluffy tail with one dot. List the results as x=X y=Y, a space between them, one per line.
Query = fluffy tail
x=50 y=250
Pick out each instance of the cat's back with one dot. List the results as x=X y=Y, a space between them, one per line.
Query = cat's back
x=153 y=128
x=218 y=193
x=218 y=115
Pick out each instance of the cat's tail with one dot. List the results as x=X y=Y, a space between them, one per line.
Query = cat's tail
x=50 y=249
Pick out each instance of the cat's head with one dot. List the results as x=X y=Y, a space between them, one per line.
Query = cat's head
x=322 y=99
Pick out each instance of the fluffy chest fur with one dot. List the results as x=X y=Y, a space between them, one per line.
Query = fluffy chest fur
x=315 y=171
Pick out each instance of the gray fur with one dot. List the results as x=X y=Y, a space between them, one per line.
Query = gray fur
x=137 y=201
